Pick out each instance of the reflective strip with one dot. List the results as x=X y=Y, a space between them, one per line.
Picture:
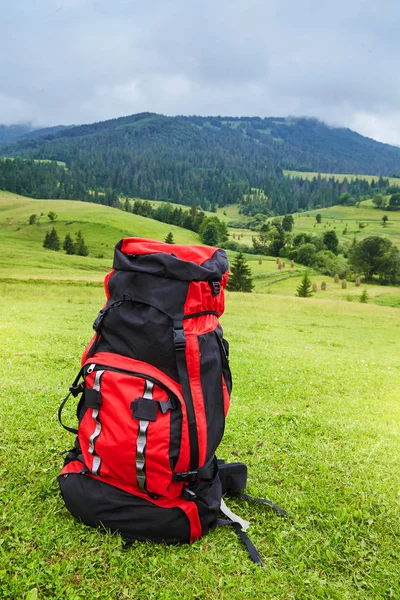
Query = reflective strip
x=142 y=440
x=97 y=431
x=228 y=513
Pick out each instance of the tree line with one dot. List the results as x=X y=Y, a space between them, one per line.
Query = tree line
x=257 y=190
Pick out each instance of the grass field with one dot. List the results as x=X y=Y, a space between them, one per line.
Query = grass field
x=339 y=176
x=314 y=414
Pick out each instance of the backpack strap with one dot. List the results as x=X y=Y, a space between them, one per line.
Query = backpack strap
x=242 y=535
x=74 y=389
x=280 y=512
x=180 y=355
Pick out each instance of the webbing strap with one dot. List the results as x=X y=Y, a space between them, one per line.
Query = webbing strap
x=63 y=403
x=242 y=535
x=279 y=511
x=142 y=440
x=180 y=354
x=234 y=518
x=95 y=416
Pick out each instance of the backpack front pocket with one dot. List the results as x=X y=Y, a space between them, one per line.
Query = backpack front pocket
x=130 y=433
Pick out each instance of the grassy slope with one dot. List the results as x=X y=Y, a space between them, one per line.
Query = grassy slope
x=101 y=226
x=314 y=414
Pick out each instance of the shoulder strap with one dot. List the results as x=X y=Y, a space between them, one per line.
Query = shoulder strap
x=180 y=355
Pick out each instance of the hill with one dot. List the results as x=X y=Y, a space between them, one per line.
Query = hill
x=22 y=254
x=12 y=133
x=207 y=161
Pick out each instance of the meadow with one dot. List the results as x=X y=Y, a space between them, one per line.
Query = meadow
x=339 y=176
x=314 y=414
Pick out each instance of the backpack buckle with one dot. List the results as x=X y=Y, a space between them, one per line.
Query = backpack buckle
x=215 y=287
x=188 y=494
x=185 y=476
x=179 y=338
x=77 y=389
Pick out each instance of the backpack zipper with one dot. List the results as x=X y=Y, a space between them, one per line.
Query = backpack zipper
x=97 y=367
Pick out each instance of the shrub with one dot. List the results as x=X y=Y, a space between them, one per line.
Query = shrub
x=364 y=297
x=306 y=254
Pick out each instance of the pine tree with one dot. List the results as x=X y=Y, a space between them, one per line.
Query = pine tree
x=46 y=243
x=69 y=245
x=304 y=289
x=170 y=238
x=80 y=246
x=52 y=241
x=240 y=279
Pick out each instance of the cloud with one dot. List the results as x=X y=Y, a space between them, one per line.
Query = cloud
x=74 y=61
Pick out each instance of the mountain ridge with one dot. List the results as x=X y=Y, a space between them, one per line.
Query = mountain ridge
x=298 y=143
x=207 y=161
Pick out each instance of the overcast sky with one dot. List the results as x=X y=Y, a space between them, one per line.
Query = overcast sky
x=79 y=61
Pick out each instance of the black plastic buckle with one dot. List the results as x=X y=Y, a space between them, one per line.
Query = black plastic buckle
x=99 y=318
x=77 y=389
x=188 y=494
x=215 y=287
x=186 y=476
x=179 y=339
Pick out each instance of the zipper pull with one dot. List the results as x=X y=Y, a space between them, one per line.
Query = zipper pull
x=90 y=369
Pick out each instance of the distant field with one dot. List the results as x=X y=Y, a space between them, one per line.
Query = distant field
x=339 y=176
x=228 y=213
x=60 y=163
x=268 y=279
x=337 y=217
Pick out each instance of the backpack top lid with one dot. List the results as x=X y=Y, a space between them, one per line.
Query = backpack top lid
x=174 y=261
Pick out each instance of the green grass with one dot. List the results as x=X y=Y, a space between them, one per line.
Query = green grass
x=314 y=414
x=339 y=176
x=101 y=226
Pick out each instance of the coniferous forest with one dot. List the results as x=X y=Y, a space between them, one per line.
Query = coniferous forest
x=200 y=161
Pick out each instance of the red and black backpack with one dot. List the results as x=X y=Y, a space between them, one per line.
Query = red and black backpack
x=153 y=398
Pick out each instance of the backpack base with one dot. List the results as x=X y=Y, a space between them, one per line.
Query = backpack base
x=101 y=505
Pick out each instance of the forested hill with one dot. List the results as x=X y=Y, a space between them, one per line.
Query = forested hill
x=204 y=160
x=12 y=133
